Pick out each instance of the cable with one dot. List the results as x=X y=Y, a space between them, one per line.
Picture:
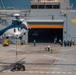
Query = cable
x=2 y=4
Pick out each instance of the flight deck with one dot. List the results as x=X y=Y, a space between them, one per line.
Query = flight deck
x=37 y=61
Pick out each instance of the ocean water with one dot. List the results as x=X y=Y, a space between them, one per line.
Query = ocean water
x=74 y=3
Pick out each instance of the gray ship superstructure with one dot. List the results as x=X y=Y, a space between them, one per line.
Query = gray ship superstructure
x=54 y=18
x=48 y=19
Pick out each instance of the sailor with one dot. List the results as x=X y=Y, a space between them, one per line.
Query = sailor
x=34 y=42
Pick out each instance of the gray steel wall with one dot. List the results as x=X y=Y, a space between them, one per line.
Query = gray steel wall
x=44 y=13
x=71 y=28
x=65 y=15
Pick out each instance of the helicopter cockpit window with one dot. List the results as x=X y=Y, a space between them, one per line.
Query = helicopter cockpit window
x=16 y=22
x=24 y=33
x=19 y=29
x=14 y=30
x=23 y=26
x=20 y=22
x=0 y=20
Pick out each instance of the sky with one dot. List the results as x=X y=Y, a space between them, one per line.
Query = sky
x=74 y=3
x=15 y=4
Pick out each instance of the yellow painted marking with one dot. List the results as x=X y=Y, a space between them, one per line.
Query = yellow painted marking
x=73 y=20
x=46 y=26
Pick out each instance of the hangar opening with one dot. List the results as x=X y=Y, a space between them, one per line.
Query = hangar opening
x=45 y=32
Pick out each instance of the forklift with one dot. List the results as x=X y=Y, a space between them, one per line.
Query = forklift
x=6 y=41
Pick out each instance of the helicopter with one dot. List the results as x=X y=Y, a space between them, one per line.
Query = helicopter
x=17 y=27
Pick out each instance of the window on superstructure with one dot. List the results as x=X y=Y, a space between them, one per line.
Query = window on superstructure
x=48 y=6
x=41 y=6
x=0 y=20
x=4 y=22
x=34 y=6
x=51 y=0
x=56 y=6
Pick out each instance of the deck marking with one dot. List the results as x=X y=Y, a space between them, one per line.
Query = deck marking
x=58 y=72
x=57 y=58
x=48 y=72
x=69 y=72
x=36 y=72
x=52 y=72
x=55 y=68
x=44 y=68
x=74 y=73
x=41 y=72
x=64 y=72
x=66 y=49
x=14 y=49
x=30 y=71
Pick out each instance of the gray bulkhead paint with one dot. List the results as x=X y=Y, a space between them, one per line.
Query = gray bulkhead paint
x=71 y=28
x=58 y=14
x=44 y=14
